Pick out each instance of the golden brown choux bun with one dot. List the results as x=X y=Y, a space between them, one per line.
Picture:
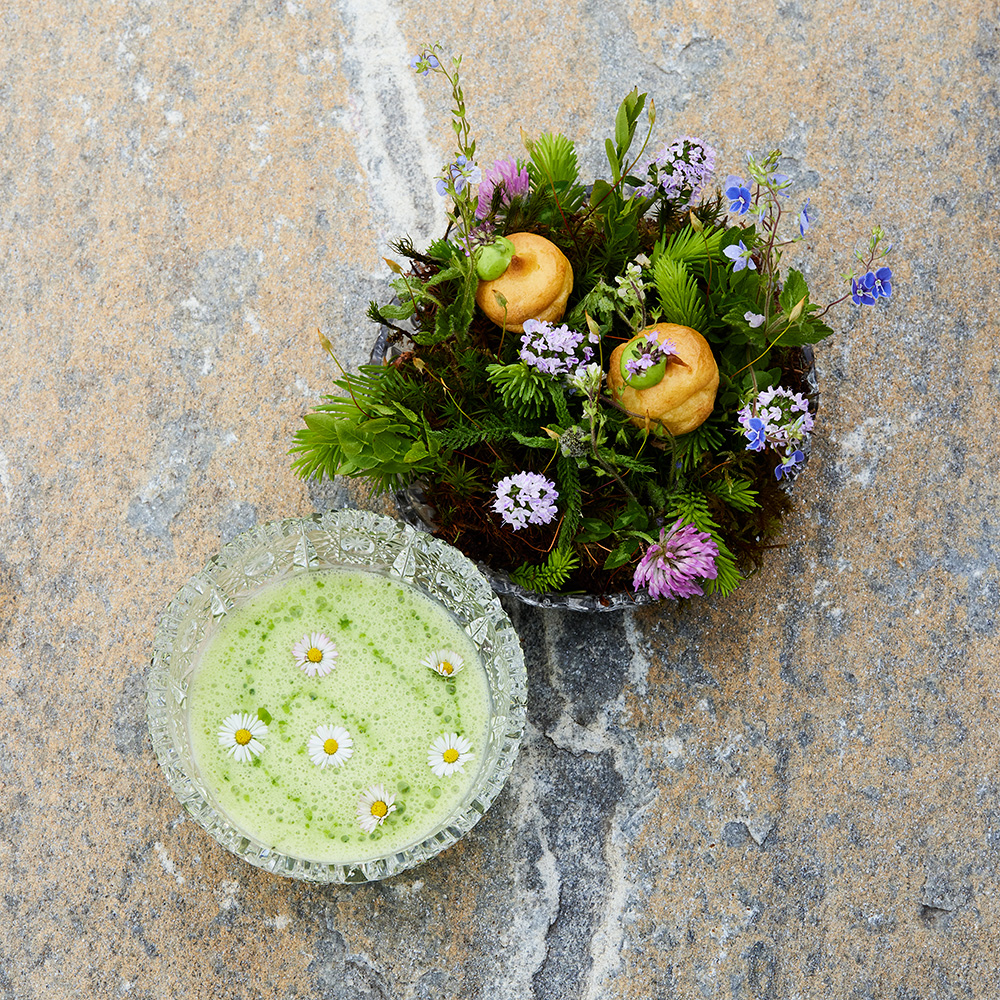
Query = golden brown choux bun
x=686 y=395
x=536 y=284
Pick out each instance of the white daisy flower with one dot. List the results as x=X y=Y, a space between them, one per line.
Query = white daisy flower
x=445 y=662
x=448 y=754
x=315 y=654
x=373 y=807
x=241 y=735
x=331 y=745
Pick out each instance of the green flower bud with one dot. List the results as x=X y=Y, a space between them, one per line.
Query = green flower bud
x=493 y=260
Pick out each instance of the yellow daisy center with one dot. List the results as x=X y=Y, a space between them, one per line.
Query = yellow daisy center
x=314 y=655
x=446 y=667
x=331 y=746
x=243 y=736
x=379 y=809
x=450 y=755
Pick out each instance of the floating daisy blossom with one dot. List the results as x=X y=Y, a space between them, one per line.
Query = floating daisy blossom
x=445 y=662
x=373 y=807
x=330 y=745
x=315 y=654
x=241 y=734
x=448 y=754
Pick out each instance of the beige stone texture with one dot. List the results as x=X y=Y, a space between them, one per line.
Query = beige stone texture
x=790 y=794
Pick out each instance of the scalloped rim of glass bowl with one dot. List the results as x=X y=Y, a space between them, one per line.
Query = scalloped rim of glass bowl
x=417 y=512
x=278 y=550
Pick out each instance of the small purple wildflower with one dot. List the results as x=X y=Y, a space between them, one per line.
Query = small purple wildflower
x=789 y=463
x=652 y=354
x=672 y=566
x=863 y=290
x=805 y=219
x=556 y=350
x=680 y=171
x=506 y=173
x=740 y=256
x=780 y=418
x=424 y=64
x=526 y=498
x=737 y=191
x=461 y=172
x=753 y=319
x=882 y=285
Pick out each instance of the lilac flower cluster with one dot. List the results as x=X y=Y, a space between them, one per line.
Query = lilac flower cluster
x=526 y=498
x=652 y=354
x=506 y=173
x=780 y=418
x=870 y=287
x=680 y=171
x=672 y=566
x=553 y=349
x=460 y=173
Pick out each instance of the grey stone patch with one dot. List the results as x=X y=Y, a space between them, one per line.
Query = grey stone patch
x=337 y=975
x=329 y=494
x=184 y=448
x=944 y=890
x=735 y=834
x=595 y=657
x=241 y=517
x=759 y=828
x=762 y=969
x=128 y=717
x=210 y=304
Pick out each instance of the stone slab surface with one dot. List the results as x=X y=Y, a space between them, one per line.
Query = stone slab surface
x=790 y=794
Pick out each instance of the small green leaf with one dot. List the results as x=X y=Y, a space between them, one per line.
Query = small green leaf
x=264 y=715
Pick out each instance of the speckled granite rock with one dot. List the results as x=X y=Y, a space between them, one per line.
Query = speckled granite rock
x=791 y=794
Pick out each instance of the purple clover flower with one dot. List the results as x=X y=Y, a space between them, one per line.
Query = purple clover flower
x=672 y=566
x=556 y=350
x=737 y=191
x=778 y=418
x=680 y=171
x=510 y=176
x=740 y=256
x=461 y=172
x=526 y=498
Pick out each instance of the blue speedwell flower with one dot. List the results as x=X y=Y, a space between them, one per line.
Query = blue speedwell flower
x=805 y=219
x=882 y=285
x=863 y=290
x=740 y=256
x=738 y=193
x=424 y=64
x=462 y=172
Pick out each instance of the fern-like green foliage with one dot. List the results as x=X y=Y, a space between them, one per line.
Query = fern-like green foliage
x=522 y=388
x=367 y=433
x=550 y=575
x=687 y=246
x=570 y=498
x=705 y=439
x=553 y=160
x=735 y=492
x=692 y=508
x=680 y=296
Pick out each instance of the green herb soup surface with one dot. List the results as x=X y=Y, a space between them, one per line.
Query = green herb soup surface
x=391 y=703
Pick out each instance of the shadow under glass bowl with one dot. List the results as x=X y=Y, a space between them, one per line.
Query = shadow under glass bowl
x=280 y=551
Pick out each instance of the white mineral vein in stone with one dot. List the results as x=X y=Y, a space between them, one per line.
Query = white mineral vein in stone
x=382 y=56
x=167 y=863
x=5 y=476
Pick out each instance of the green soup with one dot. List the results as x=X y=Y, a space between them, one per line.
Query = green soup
x=391 y=704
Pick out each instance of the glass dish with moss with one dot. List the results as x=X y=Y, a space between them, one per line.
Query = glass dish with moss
x=598 y=391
